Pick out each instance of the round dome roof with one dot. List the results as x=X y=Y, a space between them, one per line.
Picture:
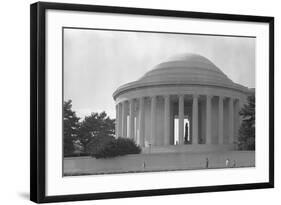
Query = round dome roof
x=190 y=68
x=186 y=69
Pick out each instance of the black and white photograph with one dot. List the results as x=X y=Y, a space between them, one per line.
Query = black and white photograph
x=134 y=102
x=145 y=101
x=140 y=102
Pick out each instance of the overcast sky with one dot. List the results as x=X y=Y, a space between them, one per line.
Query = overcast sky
x=97 y=62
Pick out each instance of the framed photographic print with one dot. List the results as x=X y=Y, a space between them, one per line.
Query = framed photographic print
x=129 y=102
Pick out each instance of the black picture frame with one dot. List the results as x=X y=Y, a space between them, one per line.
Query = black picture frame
x=38 y=101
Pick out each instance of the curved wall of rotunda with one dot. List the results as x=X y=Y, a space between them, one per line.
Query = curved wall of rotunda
x=189 y=87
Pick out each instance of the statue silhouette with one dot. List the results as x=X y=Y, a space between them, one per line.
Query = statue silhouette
x=186 y=134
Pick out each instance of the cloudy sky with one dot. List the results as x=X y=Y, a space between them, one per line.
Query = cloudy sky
x=97 y=62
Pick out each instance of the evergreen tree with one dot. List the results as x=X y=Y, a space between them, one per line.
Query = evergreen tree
x=246 y=139
x=70 y=128
x=96 y=127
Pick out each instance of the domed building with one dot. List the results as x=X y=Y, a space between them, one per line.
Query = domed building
x=187 y=101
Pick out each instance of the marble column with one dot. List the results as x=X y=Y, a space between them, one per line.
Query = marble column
x=195 y=119
x=153 y=118
x=208 y=119
x=124 y=119
x=181 y=119
x=141 y=121
x=231 y=121
x=239 y=106
x=166 y=120
x=220 y=120
x=131 y=117
x=117 y=121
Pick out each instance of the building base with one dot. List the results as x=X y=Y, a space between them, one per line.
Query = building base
x=188 y=148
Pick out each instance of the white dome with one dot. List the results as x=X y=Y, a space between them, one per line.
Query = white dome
x=186 y=69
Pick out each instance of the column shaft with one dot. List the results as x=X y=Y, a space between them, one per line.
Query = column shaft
x=209 y=120
x=124 y=119
x=141 y=121
x=220 y=121
x=195 y=119
x=231 y=121
x=153 y=117
x=167 y=120
x=181 y=119
x=116 y=121
x=239 y=107
x=119 y=120
x=131 y=115
x=239 y=116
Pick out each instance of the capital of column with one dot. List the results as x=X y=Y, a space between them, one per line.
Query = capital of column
x=124 y=102
x=195 y=95
x=180 y=95
x=141 y=98
x=166 y=97
x=195 y=98
x=221 y=99
x=153 y=98
x=239 y=102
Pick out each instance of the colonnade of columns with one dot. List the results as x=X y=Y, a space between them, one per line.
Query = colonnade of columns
x=123 y=131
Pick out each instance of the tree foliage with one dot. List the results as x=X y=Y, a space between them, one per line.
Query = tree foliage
x=112 y=147
x=246 y=139
x=96 y=127
x=70 y=128
x=93 y=136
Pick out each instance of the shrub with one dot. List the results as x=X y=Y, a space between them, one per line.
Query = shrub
x=113 y=147
x=96 y=143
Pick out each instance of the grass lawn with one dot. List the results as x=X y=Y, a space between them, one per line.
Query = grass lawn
x=157 y=162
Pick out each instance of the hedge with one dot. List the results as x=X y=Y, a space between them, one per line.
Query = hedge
x=113 y=147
